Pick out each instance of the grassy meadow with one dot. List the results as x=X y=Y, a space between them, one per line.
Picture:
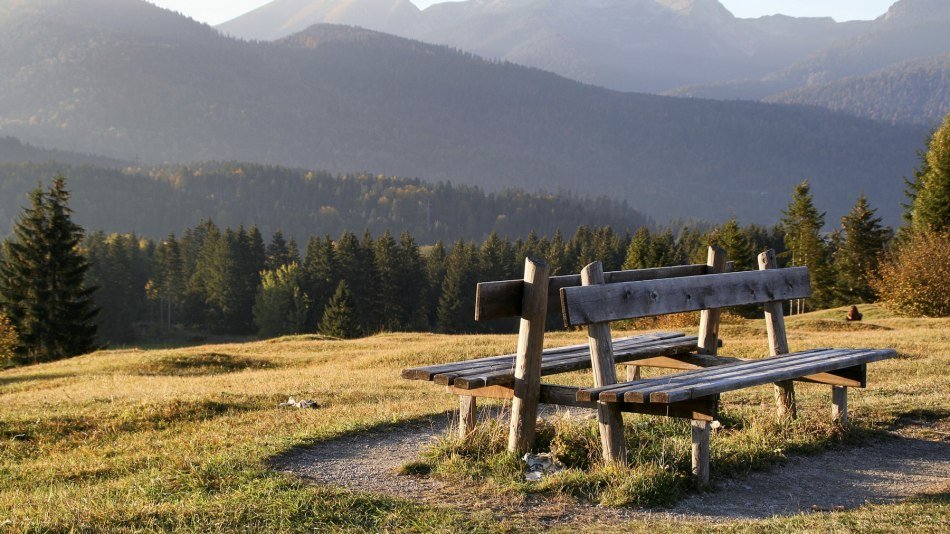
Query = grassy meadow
x=180 y=439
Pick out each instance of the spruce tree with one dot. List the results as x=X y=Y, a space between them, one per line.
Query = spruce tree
x=457 y=301
x=860 y=246
x=802 y=224
x=43 y=287
x=435 y=265
x=320 y=274
x=339 y=317
x=389 y=295
x=414 y=305
x=731 y=238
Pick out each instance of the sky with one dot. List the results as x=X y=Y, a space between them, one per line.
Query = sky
x=218 y=11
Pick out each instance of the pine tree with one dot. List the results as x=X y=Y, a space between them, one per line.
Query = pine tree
x=457 y=301
x=43 y=280
x=802 y=224
x=930 y=196
x=320 y=274
x=278 y=252
x=860 y=246
x=339 y=317
x=389 y=294
x=435 y=264
x=731 y=238
x=415 y=308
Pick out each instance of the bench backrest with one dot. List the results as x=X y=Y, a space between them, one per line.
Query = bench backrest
x=585 y=305
x=498 y=300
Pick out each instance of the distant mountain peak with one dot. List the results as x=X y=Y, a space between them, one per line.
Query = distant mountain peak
x=709 y=9
x=917 y=11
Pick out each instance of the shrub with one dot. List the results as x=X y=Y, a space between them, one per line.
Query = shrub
x=8 y=341
x=913 y=280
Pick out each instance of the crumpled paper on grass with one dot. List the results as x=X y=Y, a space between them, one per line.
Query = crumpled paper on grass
x=304 y=404
x=540 y=465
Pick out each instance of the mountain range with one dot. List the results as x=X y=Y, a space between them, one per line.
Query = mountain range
x=128 y=80
x=674 y=47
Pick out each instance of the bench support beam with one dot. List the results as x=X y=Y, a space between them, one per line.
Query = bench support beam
x=524 y=405
x=609 y=416
x=839 y=405
x=778 y=343
x=701 y=431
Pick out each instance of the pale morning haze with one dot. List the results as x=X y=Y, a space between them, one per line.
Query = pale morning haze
x=218 y=11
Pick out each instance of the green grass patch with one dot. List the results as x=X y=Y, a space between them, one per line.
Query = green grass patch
x=658 y=470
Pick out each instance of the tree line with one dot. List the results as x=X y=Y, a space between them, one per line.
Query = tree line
x=233 y=281
x=63 y=293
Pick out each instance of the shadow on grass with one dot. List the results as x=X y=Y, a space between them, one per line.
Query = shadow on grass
x=36 y=377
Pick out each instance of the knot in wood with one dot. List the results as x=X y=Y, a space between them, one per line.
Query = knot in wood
x=654 y=296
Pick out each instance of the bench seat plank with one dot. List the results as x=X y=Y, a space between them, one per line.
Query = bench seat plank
x=499 y=370
x=712 y=381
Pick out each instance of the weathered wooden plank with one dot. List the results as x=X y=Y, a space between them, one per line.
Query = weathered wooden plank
x=771 y=364
x=498 y=300
x=609 y=418
x=527 y=375
x=709 y=319
x=771 y=375
x=659 y=383
x=696 y=409
x=504 y=376
x=580 y=353
x=613 y=302
x=430 y=371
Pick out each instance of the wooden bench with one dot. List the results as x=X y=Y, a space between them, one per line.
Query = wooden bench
x=594 y=299
x=596 y=305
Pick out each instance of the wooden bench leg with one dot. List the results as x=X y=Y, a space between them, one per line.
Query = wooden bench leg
x=785 y=400
x=633 y=373
x=701 y=452
x=839 y=405
x=524 y=405
x=467 y=415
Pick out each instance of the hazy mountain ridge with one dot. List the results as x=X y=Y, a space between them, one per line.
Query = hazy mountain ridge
x=620 y=44
x=676 y=47
x=345 y=99
x=911 y=32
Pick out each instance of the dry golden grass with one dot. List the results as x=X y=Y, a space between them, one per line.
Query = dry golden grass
x=171 y=440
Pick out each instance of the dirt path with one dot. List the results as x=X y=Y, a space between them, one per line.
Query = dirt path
x=881 y=472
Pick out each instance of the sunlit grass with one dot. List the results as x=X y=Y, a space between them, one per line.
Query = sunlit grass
x=181 y=439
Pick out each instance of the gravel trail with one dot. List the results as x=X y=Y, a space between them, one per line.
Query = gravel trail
x=883 y=471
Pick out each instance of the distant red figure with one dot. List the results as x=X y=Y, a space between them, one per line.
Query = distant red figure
x=854 y=314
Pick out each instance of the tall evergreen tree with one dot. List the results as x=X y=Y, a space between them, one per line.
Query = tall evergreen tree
x=320 y=274
x=415 y=307
x=457 y=301
x=389 y=294
x=733 y=239
x=42 y=280
x=435 y=264
x=858 y=254
x=339 y=318
x=930 y=193
x=802 y=224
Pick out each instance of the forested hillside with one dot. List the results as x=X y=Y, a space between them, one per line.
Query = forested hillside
x=157 y=201
x=916 y=91
x=126 y=79
x=12 y=150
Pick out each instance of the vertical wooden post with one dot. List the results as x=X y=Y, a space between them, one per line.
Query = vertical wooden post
x=778 y=343
x=633 y=373
x=701 y=452
x=534 y=307
x=609 y=416
x=839 y=405
x=709 y=319
x=467 y=415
